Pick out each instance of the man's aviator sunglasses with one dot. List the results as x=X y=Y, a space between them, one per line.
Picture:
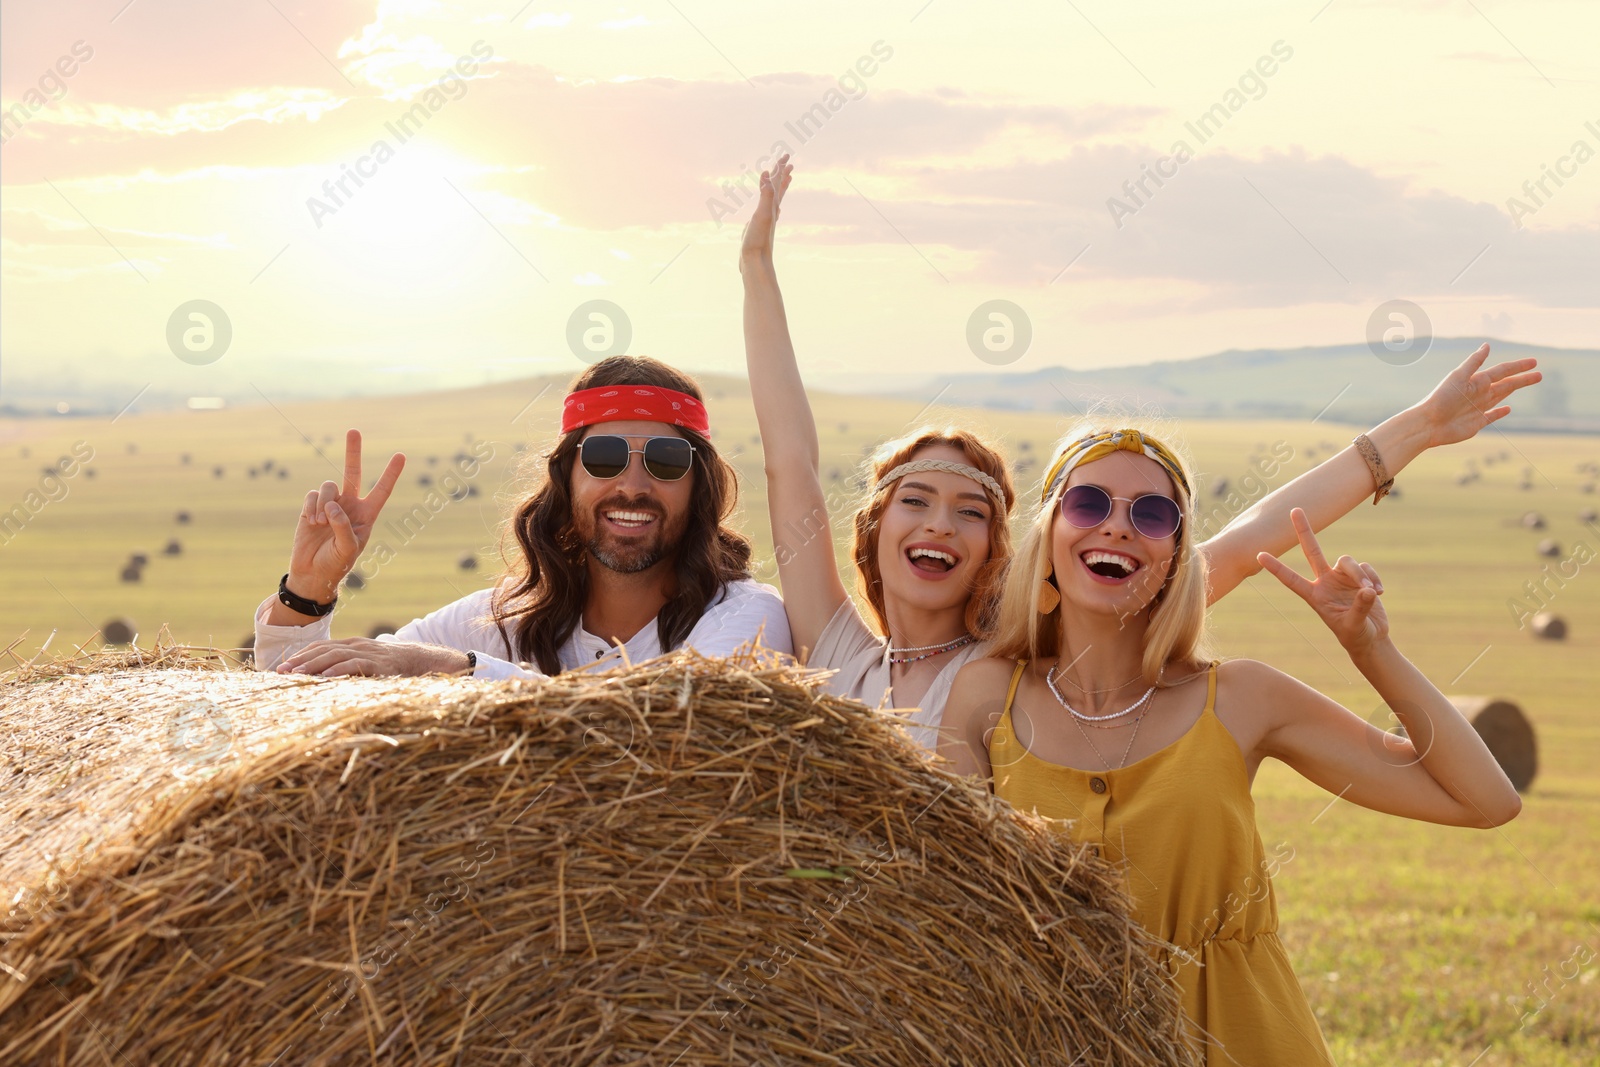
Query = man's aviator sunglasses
x=666 y=459
x=1153 y=515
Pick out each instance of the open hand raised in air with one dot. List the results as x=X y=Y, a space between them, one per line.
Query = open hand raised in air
x=762 y=227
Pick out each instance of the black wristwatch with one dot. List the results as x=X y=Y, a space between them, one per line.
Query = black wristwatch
x=300 y=603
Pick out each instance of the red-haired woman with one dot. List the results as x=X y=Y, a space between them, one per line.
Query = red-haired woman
x=930 y=543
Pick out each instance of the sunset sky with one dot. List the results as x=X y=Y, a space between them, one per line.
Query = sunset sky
x=955 y=153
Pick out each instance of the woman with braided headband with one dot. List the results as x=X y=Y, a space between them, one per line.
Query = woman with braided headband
x=930 y=543
x=1102 y=634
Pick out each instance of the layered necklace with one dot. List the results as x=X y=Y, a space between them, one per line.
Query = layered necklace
x=1142 y=705
x=1050 y=680
x=921 y=652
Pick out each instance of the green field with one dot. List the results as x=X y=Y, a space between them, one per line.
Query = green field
x=1416 y=944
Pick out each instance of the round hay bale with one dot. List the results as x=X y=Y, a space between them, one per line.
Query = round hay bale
x=1221 y=488
x=217 y=472
x=137 y=559
x=381 y=628
x=252 y=472
x=1394 y=493
x=472 y=490
x=1533 y=520
x=118 y=632
x=131 y=573
x=468 y=562
x=183 y=518
x=173 y=547
x=1550 y=547
x=1589 y=515
x=184 y=459
x=1508 y=734
x=1548 y=626
x=424 y=480
x=354 y=582
x=266 y=465
x=687 y=862
x=283 y=474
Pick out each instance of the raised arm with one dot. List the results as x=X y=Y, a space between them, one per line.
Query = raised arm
x=802 y=533
x=1467 y=400
x=1441 y=771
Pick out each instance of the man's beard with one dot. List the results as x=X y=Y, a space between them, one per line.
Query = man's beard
x=635 y=554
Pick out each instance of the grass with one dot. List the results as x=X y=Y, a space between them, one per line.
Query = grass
x=1416 y=944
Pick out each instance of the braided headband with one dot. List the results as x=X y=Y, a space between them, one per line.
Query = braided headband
x=621 y=403
x=948 y=467
x=1099 y=445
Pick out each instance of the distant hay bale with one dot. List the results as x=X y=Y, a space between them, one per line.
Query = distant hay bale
x=137 y=559
x=1507 y=733
x=1548 y=626
x=251 y=472
x=1549 y=547
x=1394 y=493
x=472 y=490
x=173 y=547
x=354 y=582
x=118 y=632
x=283 y=474
x=381 y=628
x=267 y=464
x=1533 y=520
x=687 y=862
x=183 y=518
x=184 y=459
x=424 y=480
x=1589 y=515
x=217 y=472
x=131 y=573
x=1221 y=488
x=468 y=562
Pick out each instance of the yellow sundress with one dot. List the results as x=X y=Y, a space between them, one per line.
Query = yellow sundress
x=1182 y=825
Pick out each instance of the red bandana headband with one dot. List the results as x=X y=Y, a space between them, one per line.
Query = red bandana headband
x=623 y=403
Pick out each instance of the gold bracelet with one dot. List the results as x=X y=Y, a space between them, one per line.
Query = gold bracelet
x=1380 y=474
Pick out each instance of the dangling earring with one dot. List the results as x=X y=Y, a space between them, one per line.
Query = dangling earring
x=1049 y=595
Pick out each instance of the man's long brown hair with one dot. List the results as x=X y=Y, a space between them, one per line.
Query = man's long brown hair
x=546 y=584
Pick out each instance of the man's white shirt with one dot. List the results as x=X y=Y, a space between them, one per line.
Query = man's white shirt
x=746 y=612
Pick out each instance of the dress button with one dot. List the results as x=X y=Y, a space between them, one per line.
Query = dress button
x=600 y=653
x=1097 y=784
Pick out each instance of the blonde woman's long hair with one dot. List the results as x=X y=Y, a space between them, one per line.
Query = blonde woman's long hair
x=1176 y=628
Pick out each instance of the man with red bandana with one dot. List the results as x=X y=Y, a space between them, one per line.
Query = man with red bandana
x=624 y=549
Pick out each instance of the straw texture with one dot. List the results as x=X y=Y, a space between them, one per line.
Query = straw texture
x=684 y=862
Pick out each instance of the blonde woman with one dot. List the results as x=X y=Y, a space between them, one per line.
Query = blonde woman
x=930 y=542
x=1100 y=705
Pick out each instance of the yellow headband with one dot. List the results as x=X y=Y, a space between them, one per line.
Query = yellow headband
x=1099 y=445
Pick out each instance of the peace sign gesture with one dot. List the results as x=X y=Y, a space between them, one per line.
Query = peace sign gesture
x=762 y=227
x=1344 y=595
x=336 y=523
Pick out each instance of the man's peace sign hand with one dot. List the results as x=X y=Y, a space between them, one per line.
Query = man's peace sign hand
x=336 y=523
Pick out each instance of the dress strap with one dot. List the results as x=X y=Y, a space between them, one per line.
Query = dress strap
x=1011 y=693
x=1211 y=689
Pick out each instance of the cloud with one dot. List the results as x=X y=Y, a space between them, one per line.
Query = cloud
x=28 y=229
